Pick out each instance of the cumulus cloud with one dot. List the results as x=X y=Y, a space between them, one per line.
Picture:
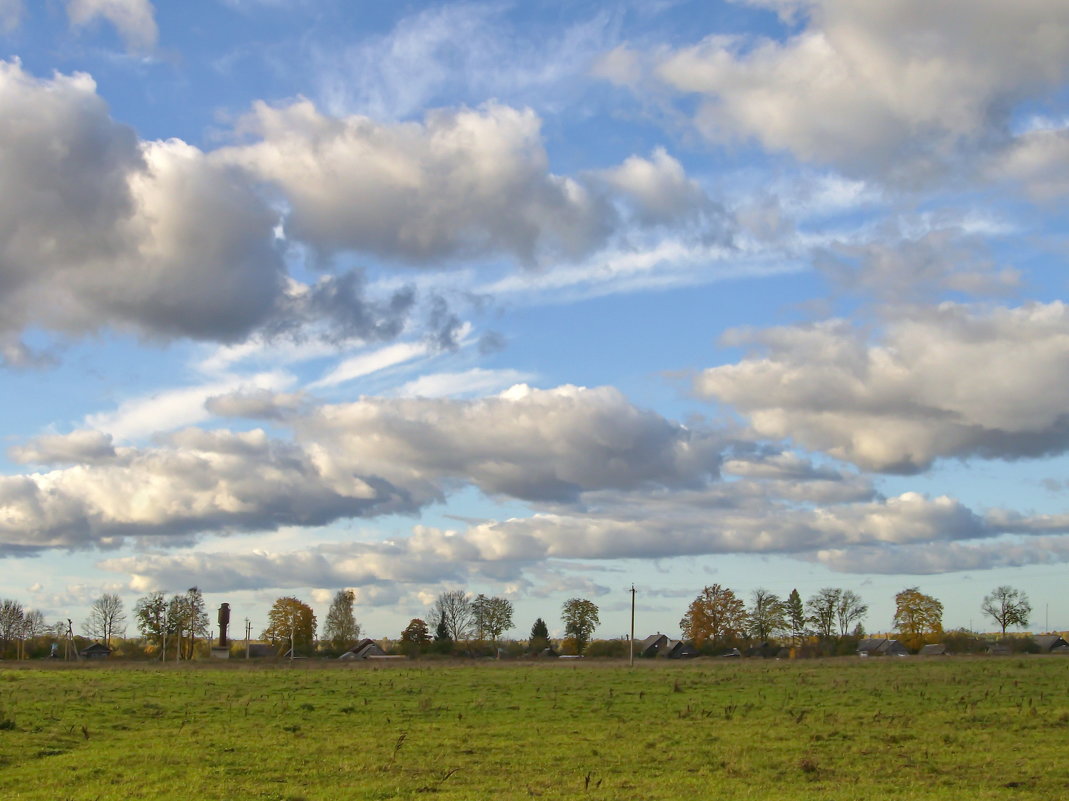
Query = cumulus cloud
x=99 y=229
x=135 y=20
x=953 y=381
x=200 y=481
x=374 y=456
x=948 y=557
x=896 y=88
x=78 y=447
x=660 y=191
x=914 y=269
x=1038 y=161
x=461 y=183
x=904 y=534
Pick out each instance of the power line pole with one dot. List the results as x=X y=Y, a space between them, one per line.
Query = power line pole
x=631 y=657
x=248 y=633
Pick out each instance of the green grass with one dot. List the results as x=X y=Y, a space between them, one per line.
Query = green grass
x=977 y=728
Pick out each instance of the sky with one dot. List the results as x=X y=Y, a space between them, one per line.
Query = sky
x=538 y=299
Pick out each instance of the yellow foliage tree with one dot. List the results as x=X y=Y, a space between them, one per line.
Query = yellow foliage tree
x=918 y=618
x=716 y=615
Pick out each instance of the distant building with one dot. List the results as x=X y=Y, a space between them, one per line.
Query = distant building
x=364 y=649
x=96 y=651
x=881 y=647
x=934 y=649
x=1051 y=644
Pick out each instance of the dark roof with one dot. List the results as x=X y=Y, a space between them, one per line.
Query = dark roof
x=95 y=648
x=934 y=649
x=1049 y=642
x=876 y=646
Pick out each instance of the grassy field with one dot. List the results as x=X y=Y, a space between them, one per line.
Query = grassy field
x=974 y=728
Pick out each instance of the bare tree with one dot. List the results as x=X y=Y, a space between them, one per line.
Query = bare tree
x=850 y=609
x=453 y=608
x=1007 y=606
x=106 y=618
x=822 y=610
x=11 y=623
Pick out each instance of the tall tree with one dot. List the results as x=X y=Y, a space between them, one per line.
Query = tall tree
x=291 y=621
x=539 y=636
x=187 y=619
x=11 y=622
x=918 y=617
x=454 y=607
x=580 y=618
x=1007 y=606
x=768 y=615
x=341 y=627
x=491 y=616
x=150 y=612
x=106 y=617
x=796 y=616
x=822 y=609
x=850 y=610
x=716 y=615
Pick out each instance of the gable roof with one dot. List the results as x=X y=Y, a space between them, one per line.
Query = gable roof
x=1050 y=642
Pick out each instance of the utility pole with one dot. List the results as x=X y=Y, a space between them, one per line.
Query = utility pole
x=631 y=657
x=248 y=631
x=292 y=624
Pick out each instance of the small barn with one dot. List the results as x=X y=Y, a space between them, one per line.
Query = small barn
x=881 y=647
x=934 y=649
x=95 y=651
x=363 y=650
x=677 y=649
x=651 y=646
x=1051 y=644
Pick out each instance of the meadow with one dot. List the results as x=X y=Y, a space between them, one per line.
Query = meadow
x=973 y=727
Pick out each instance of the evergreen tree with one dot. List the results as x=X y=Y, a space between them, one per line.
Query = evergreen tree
x=539 y=637
x=796 y=616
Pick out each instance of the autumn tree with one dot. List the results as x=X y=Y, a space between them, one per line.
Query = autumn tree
x=796 y=619
x=580 y=618
x=716 y=615
x=341 y=628
x=849 y=611
x=290 y=621
x=106 y=616
x=918 y=617
x=416 y=632
x=453 y=610
x=150 y=612
x=491 y=616
x=768 y=615
x=1008 y=607
x=415 y=637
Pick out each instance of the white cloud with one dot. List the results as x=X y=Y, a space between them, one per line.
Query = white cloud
x=372 y=362
x=373 y=456
x=169 y=409
x=135 y=20
x=660 y=190
x=897 y=87
x=462 y=183
x=476 y=381
x=953 y=381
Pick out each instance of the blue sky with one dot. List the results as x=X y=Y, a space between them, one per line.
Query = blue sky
x=538 y=299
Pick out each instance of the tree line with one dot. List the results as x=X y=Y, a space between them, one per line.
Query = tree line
x=719 y=619
x=177 y=627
